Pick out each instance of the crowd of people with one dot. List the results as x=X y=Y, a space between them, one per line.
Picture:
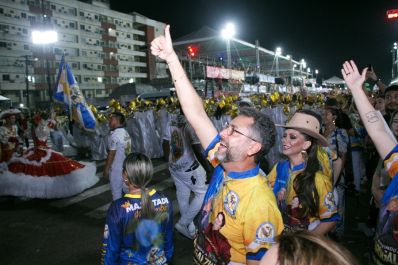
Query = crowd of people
x=234 y=209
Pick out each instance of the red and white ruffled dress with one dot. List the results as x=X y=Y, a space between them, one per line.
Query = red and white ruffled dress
x=44 y=173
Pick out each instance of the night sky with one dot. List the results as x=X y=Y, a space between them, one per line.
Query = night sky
x=324 y=35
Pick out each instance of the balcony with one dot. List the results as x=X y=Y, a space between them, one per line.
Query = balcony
x=108 y=49
x=107 y=25
x=107 y=37
x=110 y=62
x=111 y=73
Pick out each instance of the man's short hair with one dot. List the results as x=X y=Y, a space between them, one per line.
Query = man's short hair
x=390 y=88
x=263 y=129
x=120 y=117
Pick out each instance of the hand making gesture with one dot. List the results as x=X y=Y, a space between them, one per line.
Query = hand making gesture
x=374 y=122
x=353 y=79
x=162 y=46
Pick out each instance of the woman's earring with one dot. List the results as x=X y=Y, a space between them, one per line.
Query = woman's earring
x=304 y=154
x=334 y=122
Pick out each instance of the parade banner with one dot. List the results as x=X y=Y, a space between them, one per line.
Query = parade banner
x=266 y=78
x=223 y=73
x=68 y=92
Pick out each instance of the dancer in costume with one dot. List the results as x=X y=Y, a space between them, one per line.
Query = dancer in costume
x=44 y=173
x=10 y=142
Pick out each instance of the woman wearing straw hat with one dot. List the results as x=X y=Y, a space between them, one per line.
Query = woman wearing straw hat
x=304 y=193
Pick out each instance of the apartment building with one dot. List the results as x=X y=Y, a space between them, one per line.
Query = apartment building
x=104 y=48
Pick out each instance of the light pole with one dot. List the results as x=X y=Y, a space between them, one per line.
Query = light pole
x=227 y=33
x=293 y=69
x=45 y=37
x=27 y=61
x=316 y=75
x=278 y=53
x=303 y=65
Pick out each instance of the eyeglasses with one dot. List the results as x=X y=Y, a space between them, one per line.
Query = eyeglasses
x=229 y=129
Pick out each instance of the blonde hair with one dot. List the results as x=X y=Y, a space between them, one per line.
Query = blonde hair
x=306 y=248
x=139 y=170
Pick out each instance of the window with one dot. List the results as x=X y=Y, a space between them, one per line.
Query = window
x=72 y=24
x=3 y=44
x=6 y=77
x=1 y=11
x=53 y=7
x=23 y=15
x=25 y=31
x=81 y=14
x=26 y=47
x=82 y=27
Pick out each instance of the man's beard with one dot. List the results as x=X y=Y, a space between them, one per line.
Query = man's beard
x=223 y=157
x=227 y=156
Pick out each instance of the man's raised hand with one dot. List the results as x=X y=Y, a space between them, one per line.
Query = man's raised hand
x=162 y=46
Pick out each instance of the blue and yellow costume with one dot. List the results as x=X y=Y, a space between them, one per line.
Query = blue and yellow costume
x=130 y=239
x=386 y=238
x=282 y=176
x=252 y=218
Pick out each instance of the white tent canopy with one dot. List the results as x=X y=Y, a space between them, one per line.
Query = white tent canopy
x=334 y=80
x=3 y=98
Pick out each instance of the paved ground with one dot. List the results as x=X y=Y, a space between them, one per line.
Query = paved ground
x=69 y=231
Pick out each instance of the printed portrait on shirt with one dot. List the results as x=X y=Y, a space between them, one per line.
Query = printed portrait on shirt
x=295 y=213
x=177 y=145
x=215 y=243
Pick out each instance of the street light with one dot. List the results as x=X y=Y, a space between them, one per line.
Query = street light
x=227 y=33
x=316 y=75
x=45 y=37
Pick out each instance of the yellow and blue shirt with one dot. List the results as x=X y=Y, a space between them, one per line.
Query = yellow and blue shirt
x=252 y=217
x=282 y=176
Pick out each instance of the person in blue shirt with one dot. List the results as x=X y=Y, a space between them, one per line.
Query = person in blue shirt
x=139 y=226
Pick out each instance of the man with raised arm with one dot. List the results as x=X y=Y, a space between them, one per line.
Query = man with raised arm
x=252 y=219
x=386 y=239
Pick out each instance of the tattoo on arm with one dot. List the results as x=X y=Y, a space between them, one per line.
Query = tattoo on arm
x=372 y=116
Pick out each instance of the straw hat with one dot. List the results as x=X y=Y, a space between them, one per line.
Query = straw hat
x=307 y=124
x=9 y=112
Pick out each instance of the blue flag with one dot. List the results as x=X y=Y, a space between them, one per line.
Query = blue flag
x=68 y=92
